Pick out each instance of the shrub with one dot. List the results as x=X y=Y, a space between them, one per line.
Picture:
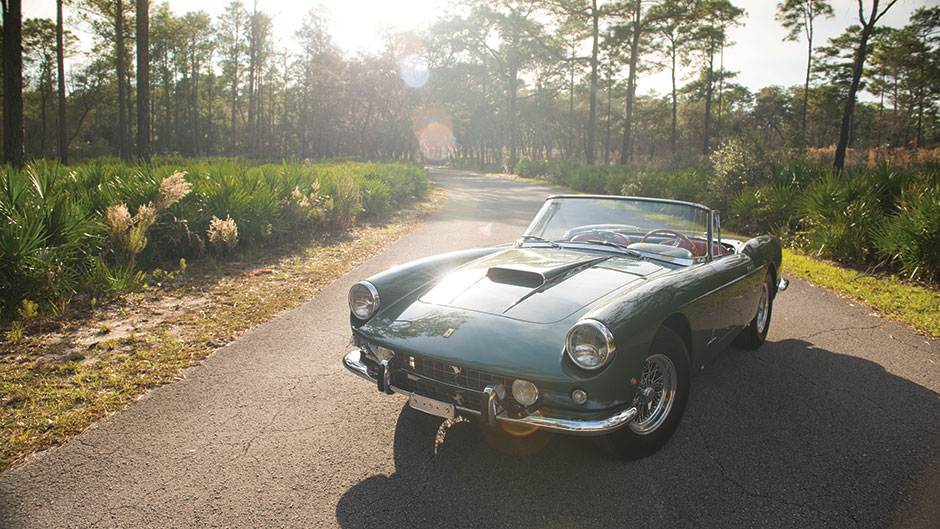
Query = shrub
x=912 y=236
x=375 y=197
x=738 y=162
x=841 y=213
x=57 y=223
x=45 y=232
x=531 y=168
x=104 y=280
x=770 y=208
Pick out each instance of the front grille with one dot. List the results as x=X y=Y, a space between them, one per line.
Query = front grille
x=441 y=381
x=455 y=375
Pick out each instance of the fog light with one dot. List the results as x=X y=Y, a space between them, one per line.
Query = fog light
x=381 y=353
x=525 y=392
x=579 y=396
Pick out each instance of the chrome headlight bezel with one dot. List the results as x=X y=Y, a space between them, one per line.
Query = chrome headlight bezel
x=363 y=295
x=602 y=337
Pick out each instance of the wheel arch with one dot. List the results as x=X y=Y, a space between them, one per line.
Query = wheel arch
x=772 y=268
x=679 y=324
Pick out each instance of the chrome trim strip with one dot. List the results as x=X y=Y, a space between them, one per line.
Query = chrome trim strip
x=637 y=199
x=490 y=405
x=385 y=376
x=353 y=363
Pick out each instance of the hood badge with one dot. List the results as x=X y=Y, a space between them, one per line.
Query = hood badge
x=448 y=333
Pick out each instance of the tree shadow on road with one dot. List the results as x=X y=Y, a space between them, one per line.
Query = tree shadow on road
x=790 y=435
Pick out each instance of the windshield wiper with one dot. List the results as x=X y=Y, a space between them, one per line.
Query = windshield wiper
x=615 y=245
x=538 y=239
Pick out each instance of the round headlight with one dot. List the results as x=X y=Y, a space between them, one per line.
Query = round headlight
x=590 y=344
x=525 y=392
x=363 y=300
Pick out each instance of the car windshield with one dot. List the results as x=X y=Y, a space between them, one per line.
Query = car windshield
x=622 y=221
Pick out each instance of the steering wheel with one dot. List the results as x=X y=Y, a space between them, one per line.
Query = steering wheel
x=678 y=236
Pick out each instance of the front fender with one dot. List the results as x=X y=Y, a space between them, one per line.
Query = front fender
x=398 y=282
x=763 y=251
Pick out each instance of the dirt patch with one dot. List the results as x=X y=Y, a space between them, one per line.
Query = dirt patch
x=62 y=375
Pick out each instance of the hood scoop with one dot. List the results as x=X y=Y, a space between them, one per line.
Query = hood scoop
x=528 y=286
x=515 y=276
x=525 y=276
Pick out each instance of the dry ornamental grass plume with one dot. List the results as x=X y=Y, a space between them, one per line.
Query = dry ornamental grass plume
x=223 y=234
x=172 y=189
x=129 y=234
x=299 y=197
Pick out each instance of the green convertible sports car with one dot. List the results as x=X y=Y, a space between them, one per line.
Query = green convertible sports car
x=591 y=323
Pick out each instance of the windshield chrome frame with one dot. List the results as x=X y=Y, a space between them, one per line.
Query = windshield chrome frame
x=713 y=230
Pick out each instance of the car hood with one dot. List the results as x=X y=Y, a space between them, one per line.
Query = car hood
x=538 y=285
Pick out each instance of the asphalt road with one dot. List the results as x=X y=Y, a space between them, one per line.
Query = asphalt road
x=834 y=422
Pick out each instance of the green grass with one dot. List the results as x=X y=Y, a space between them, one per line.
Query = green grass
x=539 y=182
x=915 y=305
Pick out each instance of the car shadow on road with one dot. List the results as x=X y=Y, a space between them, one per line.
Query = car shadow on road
x=790 y=435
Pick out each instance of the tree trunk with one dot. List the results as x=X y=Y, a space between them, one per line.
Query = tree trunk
x=252 y=96
x=513 y=73
x=43 y=117
x=921 y=93
x=195 y=102
x=234 y=151
x=210 y=144
x=673 y=134
x=809 y=65
x=849 y=109
x=721 y=91
x=13 y=83
x=626 y=152
x=571 y=109
x=610 y=89
x=867 y=29
x=121 y=79
x=62 y=144
x=592 y=118
x=143 y=80
x=708 y=102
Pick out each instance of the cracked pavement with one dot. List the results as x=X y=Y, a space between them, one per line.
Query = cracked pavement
x=834 y=422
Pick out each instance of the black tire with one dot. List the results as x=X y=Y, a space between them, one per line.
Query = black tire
x=658 y=413
x=755 y=333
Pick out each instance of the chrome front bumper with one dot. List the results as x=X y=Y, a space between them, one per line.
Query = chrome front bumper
x=353 y=362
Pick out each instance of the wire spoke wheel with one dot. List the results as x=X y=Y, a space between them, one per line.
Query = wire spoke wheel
x=656 y=395
x=763 y=309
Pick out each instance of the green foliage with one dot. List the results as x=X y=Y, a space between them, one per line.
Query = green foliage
x=103 y=280
x=841 y=211
x=527 y=168
x=686 y=184
x=766 y=209
x=855 y=217
x=738 y=163
x=375 y=197
x=912 y=236
x=65 y=230
x=44 y=231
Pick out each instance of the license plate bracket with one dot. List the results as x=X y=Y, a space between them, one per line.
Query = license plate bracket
x=431 y=406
